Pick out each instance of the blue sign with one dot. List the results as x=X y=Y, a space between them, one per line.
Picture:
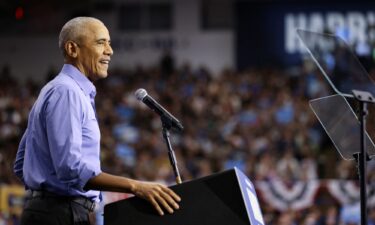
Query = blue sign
x=266 y=31
x=250 y=198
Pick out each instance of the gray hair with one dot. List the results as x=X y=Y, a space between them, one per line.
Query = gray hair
x=73 y=30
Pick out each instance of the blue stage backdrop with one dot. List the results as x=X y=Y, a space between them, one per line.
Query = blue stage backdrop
x=265 y=30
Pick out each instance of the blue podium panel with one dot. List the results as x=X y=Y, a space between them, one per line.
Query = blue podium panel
x=250 y=198
x=226 y=198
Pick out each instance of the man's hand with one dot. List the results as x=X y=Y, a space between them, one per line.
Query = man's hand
x=158 y=195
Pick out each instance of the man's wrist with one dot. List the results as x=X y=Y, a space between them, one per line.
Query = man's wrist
x=132 y=186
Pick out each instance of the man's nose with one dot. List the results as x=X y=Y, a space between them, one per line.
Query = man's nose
x=108 y=50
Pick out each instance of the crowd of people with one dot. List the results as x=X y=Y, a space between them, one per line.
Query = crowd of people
x=258 y=120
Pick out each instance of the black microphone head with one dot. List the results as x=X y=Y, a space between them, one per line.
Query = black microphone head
x=140 y=94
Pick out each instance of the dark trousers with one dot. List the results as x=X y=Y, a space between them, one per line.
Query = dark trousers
x=54 y=211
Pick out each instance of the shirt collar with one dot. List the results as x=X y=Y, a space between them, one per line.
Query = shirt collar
x=83 y=82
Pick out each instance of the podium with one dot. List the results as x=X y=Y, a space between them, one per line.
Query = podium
x=224 y=198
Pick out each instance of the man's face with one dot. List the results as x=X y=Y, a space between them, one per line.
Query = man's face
x=94 y=51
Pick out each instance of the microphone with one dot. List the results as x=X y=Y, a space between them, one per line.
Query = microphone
x=142 y=95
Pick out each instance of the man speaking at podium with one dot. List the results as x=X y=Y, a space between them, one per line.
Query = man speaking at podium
x=58 y=156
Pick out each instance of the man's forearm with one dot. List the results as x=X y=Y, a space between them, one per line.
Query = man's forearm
x=108 y=182
x=158 y=195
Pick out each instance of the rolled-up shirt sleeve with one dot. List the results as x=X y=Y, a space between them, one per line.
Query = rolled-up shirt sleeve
x=65 y=116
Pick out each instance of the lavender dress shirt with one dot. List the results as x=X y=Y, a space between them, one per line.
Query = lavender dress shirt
x=59 y=151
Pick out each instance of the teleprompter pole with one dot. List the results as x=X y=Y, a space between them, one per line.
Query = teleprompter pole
x=363 y=98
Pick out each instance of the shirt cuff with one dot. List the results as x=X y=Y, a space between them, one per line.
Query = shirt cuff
x=86 y=175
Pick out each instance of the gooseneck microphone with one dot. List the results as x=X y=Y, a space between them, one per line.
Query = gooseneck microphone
x=142 y=95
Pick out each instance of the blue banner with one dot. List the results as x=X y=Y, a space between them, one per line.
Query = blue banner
x=266 y=31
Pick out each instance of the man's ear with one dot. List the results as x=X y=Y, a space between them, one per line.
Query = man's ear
x=71 y=49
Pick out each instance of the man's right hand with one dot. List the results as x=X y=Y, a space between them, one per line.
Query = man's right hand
x=160 y=196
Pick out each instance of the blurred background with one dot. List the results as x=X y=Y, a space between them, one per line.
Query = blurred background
x=235 y=74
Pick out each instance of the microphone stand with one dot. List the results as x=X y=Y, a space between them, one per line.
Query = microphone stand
x=172 y=157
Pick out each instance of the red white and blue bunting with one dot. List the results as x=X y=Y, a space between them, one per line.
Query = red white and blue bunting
x=283 y=197
x=345 y=192
x=302 y=194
